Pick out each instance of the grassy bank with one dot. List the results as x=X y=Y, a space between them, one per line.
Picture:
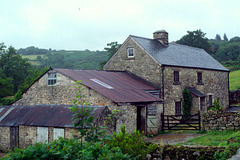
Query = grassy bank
x=234 y=80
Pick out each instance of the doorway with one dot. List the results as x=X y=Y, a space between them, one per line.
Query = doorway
x=141 y=114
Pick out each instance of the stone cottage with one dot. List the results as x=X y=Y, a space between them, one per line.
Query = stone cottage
x=21 y=126
x=138 y=102
x=171 y=68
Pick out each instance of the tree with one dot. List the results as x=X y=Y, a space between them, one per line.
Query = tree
x=235 y=39
x=5 y=85
x=218 y=37
x=195 y=39
x=225 y=37
x=111 y=49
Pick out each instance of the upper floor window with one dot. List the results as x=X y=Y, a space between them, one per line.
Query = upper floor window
x=176 y=77
x=130 y=52
x=199 y=78
x=52 y=78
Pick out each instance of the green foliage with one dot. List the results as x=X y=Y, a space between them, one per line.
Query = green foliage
x=195 y=39
x=234 y=79
x=216 y=106
x=111 y=49
x=68 y=149
x=187 y=102
x=5 y=85
x=232 y=145
x=83 y=119
x=131 y=143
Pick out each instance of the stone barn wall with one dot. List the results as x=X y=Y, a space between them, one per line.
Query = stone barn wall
x=4 y=138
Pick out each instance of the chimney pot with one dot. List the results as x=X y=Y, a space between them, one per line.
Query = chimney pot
x=162 y=36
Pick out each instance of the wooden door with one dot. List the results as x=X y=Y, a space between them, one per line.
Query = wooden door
x=13 y=137
x=42 y=134
x=141 y=123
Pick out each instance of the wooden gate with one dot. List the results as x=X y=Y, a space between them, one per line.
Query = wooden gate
x=181 y=122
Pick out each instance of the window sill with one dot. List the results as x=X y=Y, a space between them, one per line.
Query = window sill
x=200 y=83
x=130 y=58
x=176 y=83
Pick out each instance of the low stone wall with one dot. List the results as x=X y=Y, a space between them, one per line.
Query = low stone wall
x=234 y=97
x=169 y=152
x=220 y=120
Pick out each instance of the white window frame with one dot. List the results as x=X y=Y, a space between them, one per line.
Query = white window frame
x=128 y=52
x=49 y=78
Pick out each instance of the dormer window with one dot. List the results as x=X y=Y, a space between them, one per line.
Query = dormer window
x=130 y=52
x=52 y=78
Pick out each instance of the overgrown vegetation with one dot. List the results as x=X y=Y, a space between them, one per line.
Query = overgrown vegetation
x=216 y=105
x=187 y=102
x=234 y=79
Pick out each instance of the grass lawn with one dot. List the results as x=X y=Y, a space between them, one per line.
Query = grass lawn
x=213 y=138
x=234 y=80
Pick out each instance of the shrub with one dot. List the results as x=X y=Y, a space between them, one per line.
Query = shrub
x=131 y=143
x=68 y=149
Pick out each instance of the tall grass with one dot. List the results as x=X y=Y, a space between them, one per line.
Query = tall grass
x=234 y=80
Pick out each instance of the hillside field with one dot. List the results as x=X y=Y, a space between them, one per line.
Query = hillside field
x=234 y=80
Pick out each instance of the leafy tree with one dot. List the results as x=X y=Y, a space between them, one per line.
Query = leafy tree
x=195 y=39
x=13 y=65
x=5 y=85
x=111 y=49
x=187 y=102
x=225 y=37
x=235 y=39
x=218 y=37
x=228 y=52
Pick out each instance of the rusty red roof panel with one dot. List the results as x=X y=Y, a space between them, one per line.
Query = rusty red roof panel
x=117 y=86
x=46 y=115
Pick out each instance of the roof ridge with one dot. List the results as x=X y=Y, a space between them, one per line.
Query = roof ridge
x=141 y=37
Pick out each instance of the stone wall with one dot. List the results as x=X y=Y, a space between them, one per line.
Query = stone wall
x=4 y=139
x=215 y=83
x=27 y=136
x=220 y=120
x=142 y=64
x=234 y=97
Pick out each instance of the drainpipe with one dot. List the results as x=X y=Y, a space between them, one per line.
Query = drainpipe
x=162 y=87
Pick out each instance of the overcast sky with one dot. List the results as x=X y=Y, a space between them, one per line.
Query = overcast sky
x=91 y=24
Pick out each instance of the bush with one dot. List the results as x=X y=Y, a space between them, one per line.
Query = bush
x=131 y=143
x=68 y=149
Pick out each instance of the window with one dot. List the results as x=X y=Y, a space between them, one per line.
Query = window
x=202 y=103
x=176 y=77
x=52 y=78
x=178 y=108
x=130 y=52
x=199 y=76
x=210 y=100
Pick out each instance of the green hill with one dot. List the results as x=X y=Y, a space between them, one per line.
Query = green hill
x=234 y=80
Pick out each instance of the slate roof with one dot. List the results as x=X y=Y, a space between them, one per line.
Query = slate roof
x=179 y=55
x=118 y=86
x=41 y=115
x=196 y=92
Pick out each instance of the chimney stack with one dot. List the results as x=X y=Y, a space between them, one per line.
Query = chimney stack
x=162 y=36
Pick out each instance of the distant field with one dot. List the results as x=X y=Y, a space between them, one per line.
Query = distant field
x=32 y=57
x=35 y=63
x=234 y=80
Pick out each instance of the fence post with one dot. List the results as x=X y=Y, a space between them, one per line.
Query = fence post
x=162 y=119
x=199 y=118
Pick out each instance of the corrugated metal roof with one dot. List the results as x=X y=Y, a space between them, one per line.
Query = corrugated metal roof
x=45 y=115
x=117 y=86
x=179 y=55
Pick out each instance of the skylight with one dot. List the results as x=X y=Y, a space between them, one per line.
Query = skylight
x=102 y=83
